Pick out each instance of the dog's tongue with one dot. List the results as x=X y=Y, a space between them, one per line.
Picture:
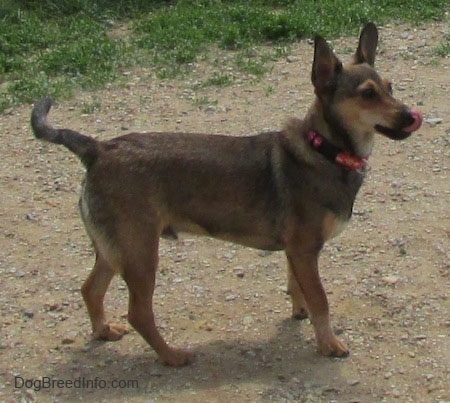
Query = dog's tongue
x=417 y=116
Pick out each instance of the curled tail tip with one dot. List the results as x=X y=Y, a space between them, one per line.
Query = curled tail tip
x=39 y=117
x=42 y=107
x=46 y=103
x=84 y=146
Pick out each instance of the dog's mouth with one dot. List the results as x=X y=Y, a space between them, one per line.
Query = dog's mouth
x=411 y=122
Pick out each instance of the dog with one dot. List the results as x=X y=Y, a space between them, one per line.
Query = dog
x=289 y=190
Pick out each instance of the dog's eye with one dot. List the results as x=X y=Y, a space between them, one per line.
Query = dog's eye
x=368 y=93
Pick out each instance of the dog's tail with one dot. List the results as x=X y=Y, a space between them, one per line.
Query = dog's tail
x=85 y=147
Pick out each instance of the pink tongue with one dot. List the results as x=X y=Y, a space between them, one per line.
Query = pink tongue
x=417 y=116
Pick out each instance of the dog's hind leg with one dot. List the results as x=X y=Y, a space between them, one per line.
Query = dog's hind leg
x=139 y=272
x=299 y=309
x=93 y=291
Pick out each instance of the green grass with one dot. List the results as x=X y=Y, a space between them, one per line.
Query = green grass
x=89 y=108
x=219 y=79
x=57 y=47
x=443 y=49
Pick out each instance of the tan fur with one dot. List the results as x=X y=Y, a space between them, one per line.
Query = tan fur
x=332 y=226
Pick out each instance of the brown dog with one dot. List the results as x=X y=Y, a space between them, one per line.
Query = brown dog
x=289 y=190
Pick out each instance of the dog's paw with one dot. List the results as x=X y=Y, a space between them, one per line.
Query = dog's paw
x=176 y=358
x=111 y=332
x=299 y=313
x=333 y=348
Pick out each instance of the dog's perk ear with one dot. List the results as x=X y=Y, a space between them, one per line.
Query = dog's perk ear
x=326 y=66
x=367 y=47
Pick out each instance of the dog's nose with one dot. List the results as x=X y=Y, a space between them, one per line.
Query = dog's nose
x=414 y=120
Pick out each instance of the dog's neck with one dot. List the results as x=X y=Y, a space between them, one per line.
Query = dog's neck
x=325 y=124
x=335 y=145
x=335 y=154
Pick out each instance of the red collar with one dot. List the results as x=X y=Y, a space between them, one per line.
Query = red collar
x=335 y=154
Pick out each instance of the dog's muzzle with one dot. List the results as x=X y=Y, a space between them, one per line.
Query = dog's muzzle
x=413 y=120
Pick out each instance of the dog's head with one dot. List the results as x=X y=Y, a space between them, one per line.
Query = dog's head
x=355 y=100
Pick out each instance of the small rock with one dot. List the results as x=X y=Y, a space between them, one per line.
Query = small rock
x=434 y=121
x=391 y=280
x=397 y=183
x=20 y=274
x=27 y=313
x=156 y=372
x=354 y=382
x=230 y=297
x=338 y=331
x=68 y=340
x=239 y=271
x=396 y=393
x=52 y=307
x=264 y=253
x=387 y=375
x=330 y=389
x=30 y=217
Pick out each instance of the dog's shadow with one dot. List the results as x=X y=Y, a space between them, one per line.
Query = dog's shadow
x=286 y=360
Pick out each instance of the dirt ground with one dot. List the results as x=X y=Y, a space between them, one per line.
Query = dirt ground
x=387 y=275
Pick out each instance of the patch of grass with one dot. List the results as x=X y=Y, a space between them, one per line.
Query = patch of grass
x=269 y=90
x=219 y=80
x=54 y=57
x=204 y=101
x=55 y=47
x=443 y=49
x=88 y=108
x=255 y=66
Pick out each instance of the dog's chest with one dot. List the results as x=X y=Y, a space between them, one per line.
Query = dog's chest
x=333 y=225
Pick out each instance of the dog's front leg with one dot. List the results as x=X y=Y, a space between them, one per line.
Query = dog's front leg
x=303 y=267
